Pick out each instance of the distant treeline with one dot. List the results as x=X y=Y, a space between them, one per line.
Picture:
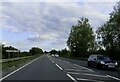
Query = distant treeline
x=33 y=51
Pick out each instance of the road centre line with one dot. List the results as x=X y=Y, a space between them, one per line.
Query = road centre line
x=71 y=77
x=89 y=80
x=84 y=67
x=113 y=77
x=53 y=62
x=59 y=67
x=88 y=74
x=17 y=69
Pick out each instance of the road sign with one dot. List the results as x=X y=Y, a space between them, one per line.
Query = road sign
x=12 y=51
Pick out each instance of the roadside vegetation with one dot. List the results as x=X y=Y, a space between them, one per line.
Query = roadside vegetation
x=10 y=59
x=83 y=41
x=16 y=63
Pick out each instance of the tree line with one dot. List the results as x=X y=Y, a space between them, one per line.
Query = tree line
x=32 y=52
x=82 y=41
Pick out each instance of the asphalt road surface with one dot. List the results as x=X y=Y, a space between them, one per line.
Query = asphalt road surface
x=51 y=68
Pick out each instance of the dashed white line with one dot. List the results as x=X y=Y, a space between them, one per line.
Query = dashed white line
x=81 y=79
x=59 y=67
x=88 y=74
x=113 y=77
x=18 y=69
x=71 y=77
x=53 y=62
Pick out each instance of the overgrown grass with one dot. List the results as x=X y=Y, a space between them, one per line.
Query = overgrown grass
x=9 y=64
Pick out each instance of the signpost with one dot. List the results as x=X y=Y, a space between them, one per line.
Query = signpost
x=11 y=51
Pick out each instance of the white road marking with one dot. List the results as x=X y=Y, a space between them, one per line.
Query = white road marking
x=18 y=69
x=53 y=62
x=72 y=70
x=73 y=73
x=50 y=59
x=66 y=61
x=88 y=74
x=89 y=80
x=76 y=65
x=59 y=60
x=113 y=77
x=59 y=67
x=71 y=77
x=84 y=67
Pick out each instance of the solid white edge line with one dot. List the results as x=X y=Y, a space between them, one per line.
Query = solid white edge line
x=113 y=77
x=17 y=70
x=71 y=77
x=59 y=67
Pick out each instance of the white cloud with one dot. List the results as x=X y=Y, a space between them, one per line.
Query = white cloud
x=50 y=23
x=60 y=0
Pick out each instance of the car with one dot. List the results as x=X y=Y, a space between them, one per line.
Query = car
x=52 y=55
x=56 y=55
x=101 y=61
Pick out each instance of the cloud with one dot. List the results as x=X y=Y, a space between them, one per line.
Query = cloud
x=49 y=23
x=37 y=37
x=60 y=0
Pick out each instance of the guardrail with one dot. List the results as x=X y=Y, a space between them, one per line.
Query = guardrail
x=12 y=59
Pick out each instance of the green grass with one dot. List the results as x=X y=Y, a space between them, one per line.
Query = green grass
x=9 y=64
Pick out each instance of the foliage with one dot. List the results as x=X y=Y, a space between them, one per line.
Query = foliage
x=25 y=53
x=35 y=50
x=81 y=38
x=53 y=51
x=64 y=53
x=5 y=54
x=109 y=34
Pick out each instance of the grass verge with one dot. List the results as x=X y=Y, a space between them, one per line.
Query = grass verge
x=15 y=63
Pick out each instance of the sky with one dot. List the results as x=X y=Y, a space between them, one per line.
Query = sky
x=46 y=24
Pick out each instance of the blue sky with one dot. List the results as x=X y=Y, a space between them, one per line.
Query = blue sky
x=47 y=24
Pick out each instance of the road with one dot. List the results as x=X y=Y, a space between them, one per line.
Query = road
x=50 y=68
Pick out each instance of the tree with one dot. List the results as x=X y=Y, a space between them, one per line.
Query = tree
x=24 y=53
x=64 y=53
x=12 y=54
x=35 y=51
x=53 y=51
x=81 y=38
x=109 y=33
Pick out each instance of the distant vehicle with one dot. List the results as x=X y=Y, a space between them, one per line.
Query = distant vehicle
x=101 y=61
x=52 y=55
x=56 y=55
